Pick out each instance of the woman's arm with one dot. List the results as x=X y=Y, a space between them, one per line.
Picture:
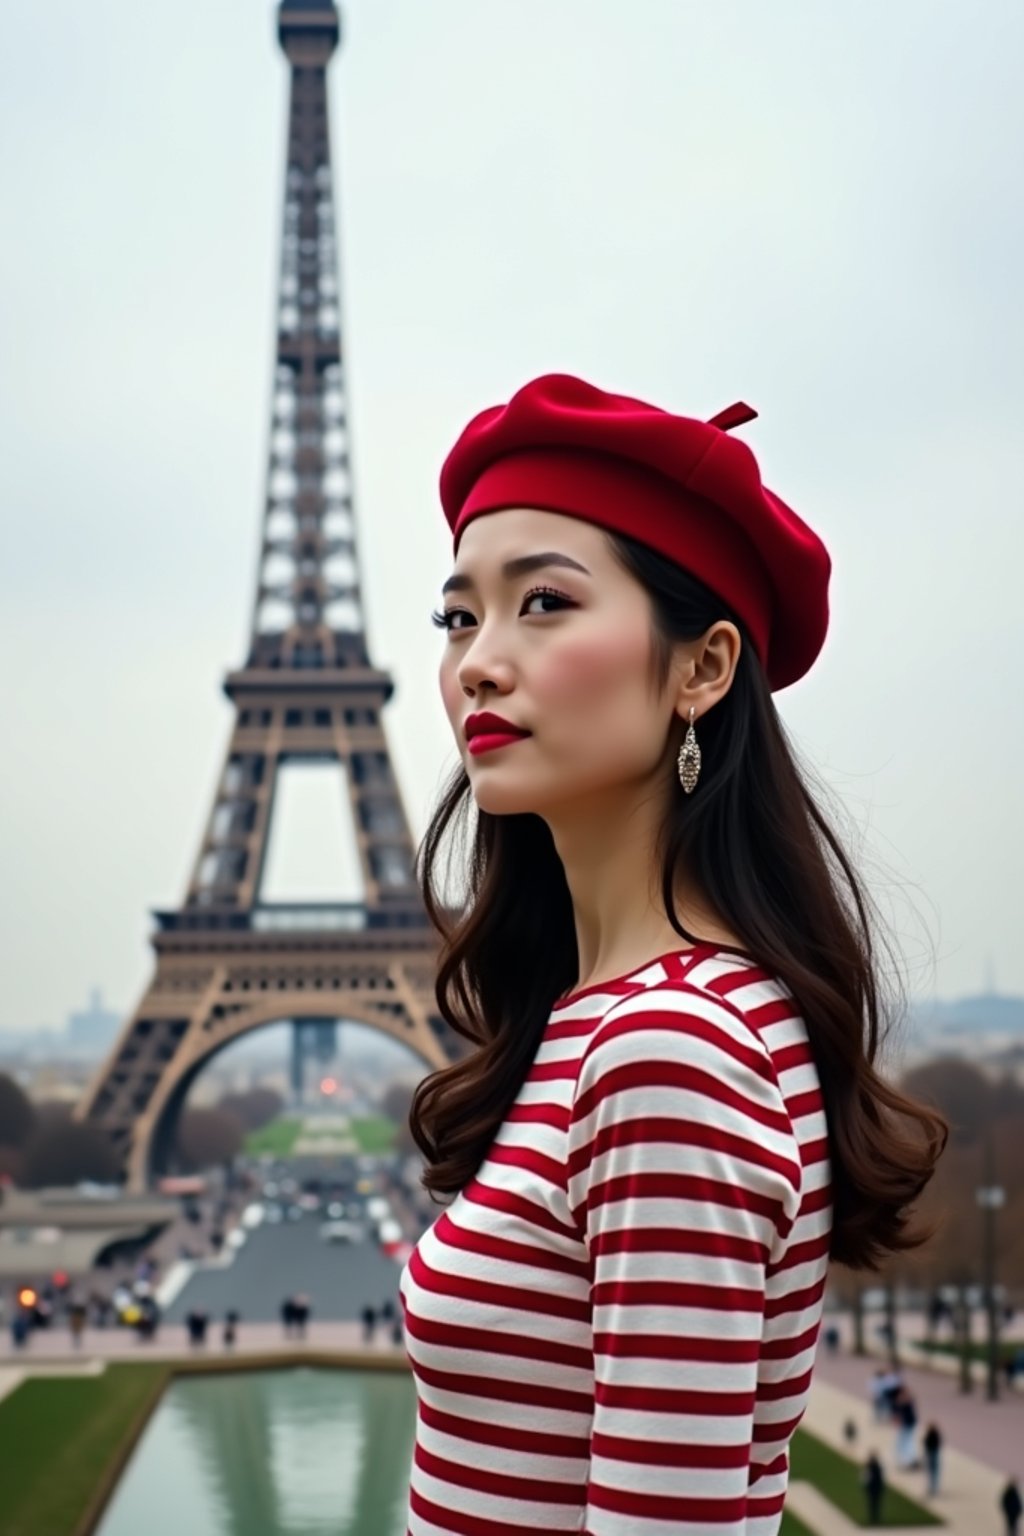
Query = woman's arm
x=684 y=1177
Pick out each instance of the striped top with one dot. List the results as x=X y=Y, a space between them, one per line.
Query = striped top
x=612 y=1325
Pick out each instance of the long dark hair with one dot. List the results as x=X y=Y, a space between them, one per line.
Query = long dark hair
x=762 y=853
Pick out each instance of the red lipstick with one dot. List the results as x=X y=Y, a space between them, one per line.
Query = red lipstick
x=486 y=731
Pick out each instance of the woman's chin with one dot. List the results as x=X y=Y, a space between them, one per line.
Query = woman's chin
x=503 y=799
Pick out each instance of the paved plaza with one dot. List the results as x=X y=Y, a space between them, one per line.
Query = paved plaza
x=984 y=1441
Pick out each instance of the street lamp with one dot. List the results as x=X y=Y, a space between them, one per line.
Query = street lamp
x=963 y=1307
x=990 y=1196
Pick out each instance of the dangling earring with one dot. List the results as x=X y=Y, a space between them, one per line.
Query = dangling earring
x=688 y=761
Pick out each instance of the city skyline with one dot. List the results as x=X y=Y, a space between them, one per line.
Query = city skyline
x=102 y=1007
x=857 y=285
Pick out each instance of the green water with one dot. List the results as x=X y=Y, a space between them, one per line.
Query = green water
x=272 y=1453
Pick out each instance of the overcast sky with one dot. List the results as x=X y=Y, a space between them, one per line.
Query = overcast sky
x=814 y=208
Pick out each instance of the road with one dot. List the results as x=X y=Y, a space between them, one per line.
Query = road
x=339 y=1278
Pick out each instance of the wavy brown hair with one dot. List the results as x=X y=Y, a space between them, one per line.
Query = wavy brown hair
x=761 y=850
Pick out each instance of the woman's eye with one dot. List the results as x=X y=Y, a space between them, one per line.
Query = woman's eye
x=447 y=618
x=558 y=598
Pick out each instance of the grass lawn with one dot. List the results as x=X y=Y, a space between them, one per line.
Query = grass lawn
x=58 y=1436
x=838 y=1478
x=979 y=1348
x=375 y=1133
x=793 y=1526
x=277 y=1138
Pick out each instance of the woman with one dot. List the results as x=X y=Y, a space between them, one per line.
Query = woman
x=670 y=1118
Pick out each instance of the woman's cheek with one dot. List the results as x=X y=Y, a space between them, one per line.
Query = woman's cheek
x=593 y=666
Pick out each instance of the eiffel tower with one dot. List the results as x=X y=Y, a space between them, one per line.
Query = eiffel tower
x=228 y=963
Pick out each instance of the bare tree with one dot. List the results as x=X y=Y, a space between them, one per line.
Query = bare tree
x=17 y=1116
x=397 y=1101
x=963 y=1093
x=64 y=1152
x=208 y=1137
x=254 y=1109
x=979 y=1110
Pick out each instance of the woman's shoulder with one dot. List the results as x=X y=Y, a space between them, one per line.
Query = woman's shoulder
x=715 y=976
x=676 y=1052
x=714 y=996
x=708 y=1002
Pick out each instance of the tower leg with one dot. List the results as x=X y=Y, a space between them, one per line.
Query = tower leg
x=298 y=1072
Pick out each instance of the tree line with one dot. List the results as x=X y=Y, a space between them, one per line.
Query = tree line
x=986 y=1118
x=41 y=1146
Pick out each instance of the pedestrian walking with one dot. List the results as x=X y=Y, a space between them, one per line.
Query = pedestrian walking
x=932 y=1447
x=231 y=1320
x=873 y=1479
x=301 y=1308
x=905 y=1410
x=76 y=1321
x=879 y=1388
x=149 y=1317
x=1011 y=1504
x=369 y=1324
x=196 y=1322
x=938 y=1313
x=288 y=1316
x=893 y=1388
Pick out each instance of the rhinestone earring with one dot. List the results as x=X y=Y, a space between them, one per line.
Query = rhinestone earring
x=688 y=761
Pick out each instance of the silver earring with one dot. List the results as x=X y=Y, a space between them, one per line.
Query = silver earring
x=688 y=761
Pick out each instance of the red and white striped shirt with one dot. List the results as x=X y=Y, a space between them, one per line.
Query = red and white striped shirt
x=612 y=1326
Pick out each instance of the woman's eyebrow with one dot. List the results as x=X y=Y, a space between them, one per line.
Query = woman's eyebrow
x=521 y=566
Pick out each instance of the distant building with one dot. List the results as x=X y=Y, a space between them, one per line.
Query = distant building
x=989 y=1014
x=94 y=1030
x=987 y=1030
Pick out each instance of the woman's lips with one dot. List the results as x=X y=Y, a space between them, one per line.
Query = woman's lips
x=489 y=741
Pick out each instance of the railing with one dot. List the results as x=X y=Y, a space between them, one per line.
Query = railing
x=291 y=917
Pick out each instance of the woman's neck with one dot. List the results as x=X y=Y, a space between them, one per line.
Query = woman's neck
x=614 y=877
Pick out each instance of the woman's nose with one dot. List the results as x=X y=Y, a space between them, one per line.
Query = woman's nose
x=480 y=668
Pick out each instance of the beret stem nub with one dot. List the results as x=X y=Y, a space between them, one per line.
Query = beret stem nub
x=733 y=416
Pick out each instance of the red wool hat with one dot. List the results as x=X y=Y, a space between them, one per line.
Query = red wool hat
x=681 y=486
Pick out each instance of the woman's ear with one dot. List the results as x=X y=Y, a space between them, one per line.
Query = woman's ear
x=710 y=670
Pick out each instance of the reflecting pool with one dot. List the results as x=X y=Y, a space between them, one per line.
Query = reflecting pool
x=301 y=1452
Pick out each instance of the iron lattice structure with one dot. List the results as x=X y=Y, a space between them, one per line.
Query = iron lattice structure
x=226 y=963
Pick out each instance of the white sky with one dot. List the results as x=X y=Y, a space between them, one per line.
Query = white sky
x=813 y=208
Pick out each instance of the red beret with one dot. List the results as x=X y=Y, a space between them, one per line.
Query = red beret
x=681 y=486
